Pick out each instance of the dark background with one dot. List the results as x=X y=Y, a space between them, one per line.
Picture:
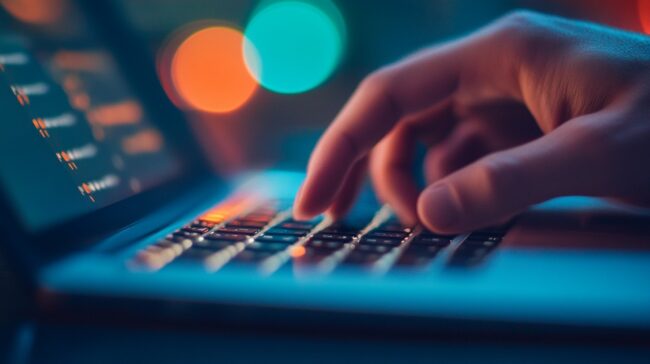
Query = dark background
x=274 y=130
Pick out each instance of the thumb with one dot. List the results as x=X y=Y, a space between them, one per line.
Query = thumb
x=569 y=160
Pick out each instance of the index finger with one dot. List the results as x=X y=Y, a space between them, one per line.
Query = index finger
x=378 y=103
x=392 y=93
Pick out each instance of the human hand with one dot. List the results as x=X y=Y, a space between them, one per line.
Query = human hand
x=529 y=108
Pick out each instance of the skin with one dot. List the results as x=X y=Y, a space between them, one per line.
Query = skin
x=528 y=108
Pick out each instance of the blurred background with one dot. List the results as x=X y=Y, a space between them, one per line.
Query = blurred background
x=260 y=80
x=274 y=128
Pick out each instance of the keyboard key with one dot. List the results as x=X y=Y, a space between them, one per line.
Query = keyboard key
x=309 y=224
x=185 y=235
x=342 y=228
x=485 y=237
x=282 y=231
x=335 y=236
x=388 y=234
x=422 y=250
x=430 y=240
x=475 y=249
x=380 y=241
x=480 y=243
x=226 y=236
x=267 y=247
x=177 y=238
x=322 y=250
x=329 y=244
x=297 y=225
x=213 y=245
x=203 y=223
x=394 y=227
x=277 y=238
x=239 y=230
x=196 y=230
x=428 y=233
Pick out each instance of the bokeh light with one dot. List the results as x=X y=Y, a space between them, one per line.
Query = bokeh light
x=40 y=12
x=208 y=71
x=644 y=15
x=294 y=45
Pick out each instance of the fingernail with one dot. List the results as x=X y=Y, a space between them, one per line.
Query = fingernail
x=440 y=207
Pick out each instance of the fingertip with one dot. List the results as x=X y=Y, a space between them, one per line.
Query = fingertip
x=304 y=212
x=300 y=215
x=303 y=207
x=299 y=212
x=439 y=210
x=339 y=209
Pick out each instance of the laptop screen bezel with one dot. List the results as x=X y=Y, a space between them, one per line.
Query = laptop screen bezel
x=138 y=66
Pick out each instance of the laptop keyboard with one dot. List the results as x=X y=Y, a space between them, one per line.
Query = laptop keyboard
x=267 y=238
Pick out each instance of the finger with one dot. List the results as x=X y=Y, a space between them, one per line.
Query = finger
x=392 y=160
x=502 y=184
x=462 y=147
x=347 y=195
x=409 y=86
x=371 y=113
x=391 y=171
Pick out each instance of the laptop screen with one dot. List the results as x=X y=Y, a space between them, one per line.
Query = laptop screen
x=73 y=136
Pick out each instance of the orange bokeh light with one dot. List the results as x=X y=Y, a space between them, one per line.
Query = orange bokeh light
x=209 y=73
x=298 y=252
x=644 y=15
x=35 y=11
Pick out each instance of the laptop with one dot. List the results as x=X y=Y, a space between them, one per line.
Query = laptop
x=109 y=208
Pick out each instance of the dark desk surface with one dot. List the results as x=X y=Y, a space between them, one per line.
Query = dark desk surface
x=27 y=339
x=62 y=343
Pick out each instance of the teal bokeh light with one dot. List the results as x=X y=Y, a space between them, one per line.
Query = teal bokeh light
x=294 y=45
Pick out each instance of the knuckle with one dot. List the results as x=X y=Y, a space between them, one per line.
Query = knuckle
x=378 y=82
x=593 y=135
x=380 y=87
x=519 y=18
x=499 y=173
x=524 y=31
x=351 y=143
